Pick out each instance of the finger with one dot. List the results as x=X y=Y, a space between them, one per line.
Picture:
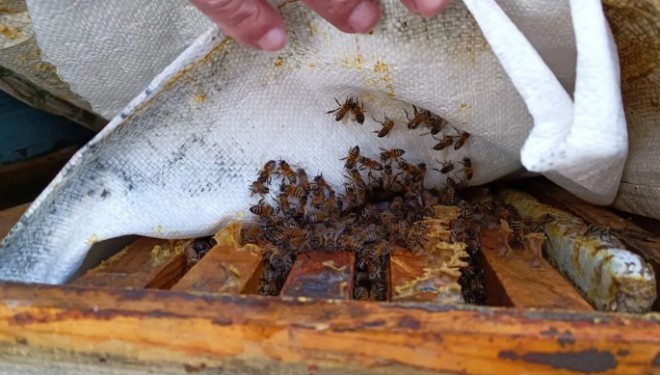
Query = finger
x=350 y=16
x=428 y=8
x=251 y=22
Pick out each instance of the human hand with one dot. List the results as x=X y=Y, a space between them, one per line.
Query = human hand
x=257 y=24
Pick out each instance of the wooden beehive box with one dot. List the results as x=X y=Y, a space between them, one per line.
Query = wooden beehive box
x=146 y=310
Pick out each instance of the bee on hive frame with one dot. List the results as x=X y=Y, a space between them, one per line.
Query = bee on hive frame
x=418 y=118
x=387 y=124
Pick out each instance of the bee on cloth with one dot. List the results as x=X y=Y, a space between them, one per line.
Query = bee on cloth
x=350 y=105
x=286 y=170
x=418 y=118
x=352 y=157
x=263 y=209
x=267 y=171
x=447 y=166
x=462 y=138
x=468 y=169
x=259 y=188
x=435 y=124
x=391 y=154
x=387 y=124
x=445 y=142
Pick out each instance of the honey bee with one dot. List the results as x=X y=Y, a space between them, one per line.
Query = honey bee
x=258 y=187
x=349 y=198
x=317 y=217
x=266 y=172
x=358 y=111
x=320 y=182
x=468 y=169
x=251 y=234
x=396 y=205
x=449 y=194
x=370 y=164
x=361 y=195
x=343 y=109
x=331 y=202
x=445 y=142
x=263 y=209
x=283 y=200
x=317 y=197
x=293 y=191
x=351 y=243
x=352 y=157
x=303 y=180
x=418 y=118
x=357 y=180
x=388 y=177
x=435 y=125
x=462 y=138
x=288 y=172
x=387 y=124
x=300 y=211
x=503 y=213
x=447 y=166
x=391 y=154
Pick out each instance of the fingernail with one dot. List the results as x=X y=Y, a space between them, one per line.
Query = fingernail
x=273 y=40
x=429 y=7
x=364 y=16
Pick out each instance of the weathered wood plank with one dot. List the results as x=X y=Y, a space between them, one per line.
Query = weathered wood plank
x=252 y=334
x=9 y=217
x=146 y=263
x=523 y=286
x=320 y=275
x=416 y=278
x=224 y=269
x=608 y=275
x=642 y=242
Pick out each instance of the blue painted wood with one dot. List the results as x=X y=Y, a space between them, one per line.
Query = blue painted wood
x=26 y=132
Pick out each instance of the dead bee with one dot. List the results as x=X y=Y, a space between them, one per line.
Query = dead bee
x=462 y=138
x=391 y=154
x=352 y=157
x=387 y=124
x=343 y=109
x=357 y=109
x=258 y=187
x=288 y=172
x=267 y=171
x=263 y=209
x=445 y=142
x=468 y=170
x=303 y=180
x=447 y=166
x=418 y=118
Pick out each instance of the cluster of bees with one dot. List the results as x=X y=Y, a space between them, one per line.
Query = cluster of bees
x=421 y=118
x=380 y=206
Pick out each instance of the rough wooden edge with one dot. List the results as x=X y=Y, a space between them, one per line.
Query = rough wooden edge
x=637 y=239
x=321 y=276
x=251 y=334
x=525 y=286
x=9 y=217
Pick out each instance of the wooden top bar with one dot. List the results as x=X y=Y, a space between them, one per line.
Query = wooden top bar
x=124 y=329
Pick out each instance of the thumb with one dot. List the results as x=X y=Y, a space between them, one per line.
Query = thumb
x=254 y=23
